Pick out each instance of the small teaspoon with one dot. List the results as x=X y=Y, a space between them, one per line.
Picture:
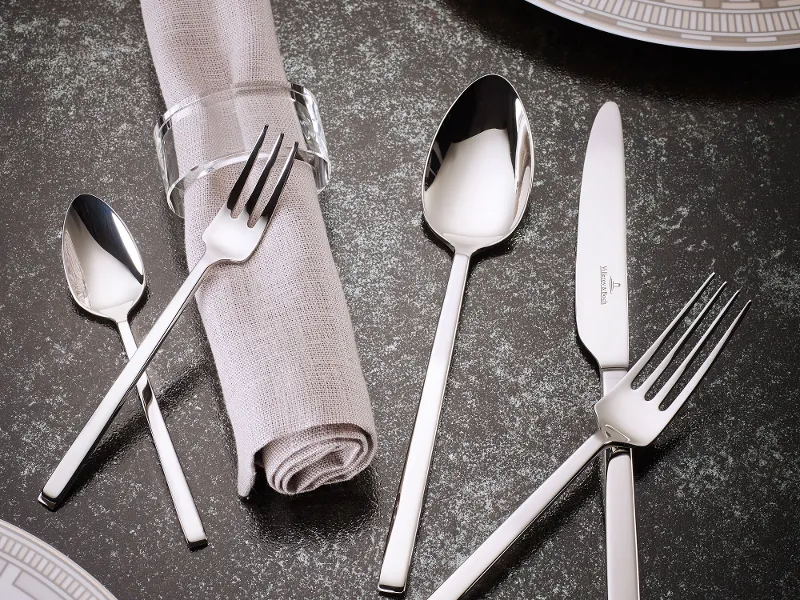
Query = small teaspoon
x=106 y=278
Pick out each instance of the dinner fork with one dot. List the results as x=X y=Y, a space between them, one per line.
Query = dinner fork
x=229 y=239
x=624 y=417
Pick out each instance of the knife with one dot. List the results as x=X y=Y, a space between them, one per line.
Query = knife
x=601 y=315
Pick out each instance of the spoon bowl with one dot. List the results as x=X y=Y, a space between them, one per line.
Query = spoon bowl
x=102 y=264
x=479 y=171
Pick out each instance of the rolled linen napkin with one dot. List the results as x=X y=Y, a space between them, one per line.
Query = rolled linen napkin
x=278 y=325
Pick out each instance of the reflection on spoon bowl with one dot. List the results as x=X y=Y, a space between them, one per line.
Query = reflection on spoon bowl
x=103 y=267
x=480 y=167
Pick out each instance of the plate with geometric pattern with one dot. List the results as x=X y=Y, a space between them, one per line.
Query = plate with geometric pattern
x=704 y=24
x=32 y=570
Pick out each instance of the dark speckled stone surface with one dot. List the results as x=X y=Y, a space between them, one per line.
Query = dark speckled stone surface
x=713 y=163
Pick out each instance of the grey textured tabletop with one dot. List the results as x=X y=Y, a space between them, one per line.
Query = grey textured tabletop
x=712 y=146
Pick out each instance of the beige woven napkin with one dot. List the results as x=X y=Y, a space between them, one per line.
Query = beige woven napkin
x=278 y=325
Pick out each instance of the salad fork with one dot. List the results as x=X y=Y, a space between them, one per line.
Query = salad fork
x=624 y=417
x=227 y=239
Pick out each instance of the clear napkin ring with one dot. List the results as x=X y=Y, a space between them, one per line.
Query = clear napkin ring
x=216 y=110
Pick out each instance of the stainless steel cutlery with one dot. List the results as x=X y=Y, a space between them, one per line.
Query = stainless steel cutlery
x=601 y=315
x=625 y=417
x=106 y=278
x=476 y=185
x=229 y=239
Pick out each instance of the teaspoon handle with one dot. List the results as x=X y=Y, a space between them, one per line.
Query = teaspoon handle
x=480 y=561
x=408 y=505
x=57 y=487
x=182 y=499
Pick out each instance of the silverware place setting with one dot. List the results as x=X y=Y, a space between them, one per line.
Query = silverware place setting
x=472 y=199
x=476 y=183
x=566 y=414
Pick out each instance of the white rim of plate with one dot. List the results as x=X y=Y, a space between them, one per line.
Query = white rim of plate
x=723 y=25
x=29 y=556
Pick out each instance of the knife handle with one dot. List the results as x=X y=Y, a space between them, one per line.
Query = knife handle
x=622 y=560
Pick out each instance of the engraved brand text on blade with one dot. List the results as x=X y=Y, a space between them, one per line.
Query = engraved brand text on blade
x=605 y=280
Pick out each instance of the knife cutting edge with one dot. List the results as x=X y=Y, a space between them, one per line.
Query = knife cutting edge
x=601 y=315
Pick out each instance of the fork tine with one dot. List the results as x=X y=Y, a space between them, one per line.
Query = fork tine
x=637 y=368
x=662 y=393
x=648 y=383
x=273 y=156
x=237 y=188
x=269 y=208
x=673 y=408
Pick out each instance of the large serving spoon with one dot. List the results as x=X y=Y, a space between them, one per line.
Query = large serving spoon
x=475 y=190
x=106 y=278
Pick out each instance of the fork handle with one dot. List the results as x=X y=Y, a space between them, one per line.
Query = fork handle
x=55 y=490
x=472 y=569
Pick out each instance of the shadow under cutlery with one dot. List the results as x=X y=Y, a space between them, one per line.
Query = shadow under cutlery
x=647 y=458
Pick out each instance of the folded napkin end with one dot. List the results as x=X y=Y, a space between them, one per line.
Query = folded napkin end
x=308 y=459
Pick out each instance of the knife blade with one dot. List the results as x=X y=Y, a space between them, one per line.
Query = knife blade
x=601 y=315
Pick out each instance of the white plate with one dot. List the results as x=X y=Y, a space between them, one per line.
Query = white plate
x=705 y=24
x=32 y=570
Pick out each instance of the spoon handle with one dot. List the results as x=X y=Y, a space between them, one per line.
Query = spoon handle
x=182 y=498
x=408 y=505
x=62 y=479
